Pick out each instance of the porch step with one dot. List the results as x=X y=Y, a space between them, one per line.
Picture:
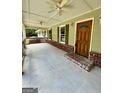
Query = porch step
x=83 y=62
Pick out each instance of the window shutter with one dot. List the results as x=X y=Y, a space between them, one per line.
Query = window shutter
x=51 y=34
x=58 y=34
x=67 y=34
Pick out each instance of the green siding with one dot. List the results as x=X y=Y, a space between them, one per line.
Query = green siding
x=96 y=37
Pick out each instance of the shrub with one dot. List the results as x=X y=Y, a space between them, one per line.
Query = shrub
x=30 y=32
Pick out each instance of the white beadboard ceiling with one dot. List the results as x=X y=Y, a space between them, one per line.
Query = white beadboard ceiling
x=36 y=11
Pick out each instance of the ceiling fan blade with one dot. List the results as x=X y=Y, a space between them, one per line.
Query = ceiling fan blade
x=51 y=10
x=56 y=1
x=68 y=6
x=70 y=2
x=53 y=15
x=63 y=3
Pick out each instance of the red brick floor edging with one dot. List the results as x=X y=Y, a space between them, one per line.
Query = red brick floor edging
x=96 y=58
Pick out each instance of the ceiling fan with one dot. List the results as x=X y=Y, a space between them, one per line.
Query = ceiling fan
x=58 y=6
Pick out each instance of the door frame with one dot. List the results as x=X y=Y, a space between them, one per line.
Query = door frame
x=88 y=19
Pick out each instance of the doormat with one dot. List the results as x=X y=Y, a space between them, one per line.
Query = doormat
x=29 y=90
x=80 y=60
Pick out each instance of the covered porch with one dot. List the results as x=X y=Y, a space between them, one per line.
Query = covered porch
x=47 y=69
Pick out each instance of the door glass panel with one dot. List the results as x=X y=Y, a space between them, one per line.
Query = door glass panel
x=83 y=26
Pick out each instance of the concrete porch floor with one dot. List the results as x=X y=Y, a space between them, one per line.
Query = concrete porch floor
x=47 y=69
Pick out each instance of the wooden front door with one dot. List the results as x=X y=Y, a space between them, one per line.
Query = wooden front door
x=83 y=35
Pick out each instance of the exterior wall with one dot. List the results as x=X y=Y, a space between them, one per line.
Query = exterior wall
x=54 y=33
x=96 y=36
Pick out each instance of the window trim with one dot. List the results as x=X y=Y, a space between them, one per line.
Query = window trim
x=66 y=33
x=60 y=34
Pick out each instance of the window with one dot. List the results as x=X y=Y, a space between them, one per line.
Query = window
x=63 y=34
x=50 y=34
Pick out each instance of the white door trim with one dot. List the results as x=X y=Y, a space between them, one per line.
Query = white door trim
x=88 y=19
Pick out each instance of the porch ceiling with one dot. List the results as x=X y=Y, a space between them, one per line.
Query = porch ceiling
x=36 y=11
